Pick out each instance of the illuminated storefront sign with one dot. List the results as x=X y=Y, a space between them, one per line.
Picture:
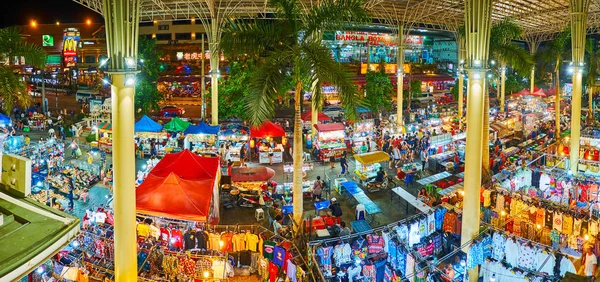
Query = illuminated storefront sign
x=192 y=56
x=47 y=40
x=375 y=38
x=71 y=38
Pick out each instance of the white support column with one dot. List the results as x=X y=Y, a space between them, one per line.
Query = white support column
x=502 y=85
x=213 y=45
x=400 y=79
x=579 y=16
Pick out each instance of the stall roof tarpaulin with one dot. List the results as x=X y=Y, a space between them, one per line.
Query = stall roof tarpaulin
x=174 y=197
x=245 y=174
x=500 y=128
x=329 y=127
x=372 y=157
x=267 y=129
x=203 y=128
x=106 y=126
x=146 y=124
x=307 y=116
x=177 y=124
x=187 y=165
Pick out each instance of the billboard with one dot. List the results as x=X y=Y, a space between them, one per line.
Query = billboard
x=47 y=40
x=71 y=38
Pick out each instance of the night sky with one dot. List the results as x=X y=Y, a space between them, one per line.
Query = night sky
x=21 y=12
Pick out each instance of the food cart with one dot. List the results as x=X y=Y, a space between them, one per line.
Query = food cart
x=330 y=140
x=268 y=131
x=202 y=138
x=368 y=164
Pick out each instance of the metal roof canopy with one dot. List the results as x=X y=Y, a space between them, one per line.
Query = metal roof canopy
x=538 y=19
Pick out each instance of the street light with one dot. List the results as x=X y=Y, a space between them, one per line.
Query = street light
x=33 y=23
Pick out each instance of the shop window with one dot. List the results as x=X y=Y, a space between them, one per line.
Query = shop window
x=146 y=24
x=182 y=22
x=163 y=36
x=183 y=36
x=89 y=59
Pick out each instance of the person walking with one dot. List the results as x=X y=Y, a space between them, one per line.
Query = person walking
x=243 y=152
x=343 y=164
x=317 y=189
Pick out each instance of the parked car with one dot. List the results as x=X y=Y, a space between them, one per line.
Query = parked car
x=171 y=110
x=333 y=111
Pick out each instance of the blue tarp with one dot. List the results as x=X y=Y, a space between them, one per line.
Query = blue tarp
x=202 y=128
x=146 y=124
x=4 y=119
x=362 y=110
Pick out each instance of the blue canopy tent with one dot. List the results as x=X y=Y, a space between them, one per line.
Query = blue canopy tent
x=202 y=138
x=4 y=120
x=146 y=124
x=202 y=128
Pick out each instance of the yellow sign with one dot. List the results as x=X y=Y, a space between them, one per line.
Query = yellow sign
x=389 y=68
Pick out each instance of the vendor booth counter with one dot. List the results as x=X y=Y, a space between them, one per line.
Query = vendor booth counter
x=368 y=164
x=330 y=140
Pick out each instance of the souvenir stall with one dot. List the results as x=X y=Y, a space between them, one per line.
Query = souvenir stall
x=362 y=130
x=170 y=249
x=202 y=138
x=234 y=136
x=105 y=136
x=330 y=140
x=46 y=158
x=174 y=143
x=270 y=151
x=368 y=164
x=389 y=253
x=441 y=152
x=82 y=180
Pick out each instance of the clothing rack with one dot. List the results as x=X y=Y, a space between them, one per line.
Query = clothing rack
x=374 y=230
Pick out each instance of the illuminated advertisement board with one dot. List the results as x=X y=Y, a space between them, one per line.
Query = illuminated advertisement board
x=375 y=39
x=47 y=40
x=71 y=38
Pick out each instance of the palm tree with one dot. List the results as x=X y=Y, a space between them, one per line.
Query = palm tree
x=12 y=88
x=554 y=53
x=290 y=56
x=591 y=73
x=503 y=50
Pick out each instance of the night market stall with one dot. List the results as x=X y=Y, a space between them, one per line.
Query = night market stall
x=202 y=138
x=105 y=136
x=368 y=164
x=269 y=150
x=362 y=133
x=175 y=141
x=330 y=140
x=234 y=136
x=147 y=130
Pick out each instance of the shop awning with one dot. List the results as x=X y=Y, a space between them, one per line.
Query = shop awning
x=537 y=92
x=245 y=174
x=372 y=157
x=174 y=197
x=105 y=126
x=267 y=129
x=307 y=116
x=187 y=165
x=146 y=124
x=203 y=128
x=177 y=125
x=500 y=128
x=330 y=127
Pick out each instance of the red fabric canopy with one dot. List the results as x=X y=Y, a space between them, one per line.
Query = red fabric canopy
x=267 y=129
x=174 y=197
x=307 y=116
x=538 y=92
x=188 y=166
x=330 y=127
x=244 y=174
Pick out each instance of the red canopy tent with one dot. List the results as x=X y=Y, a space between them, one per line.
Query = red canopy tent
x=307 y=116
x=267 y=129
x=183 y=186
x=187 y=165
x=175 y=197
x=330 y=127
x=538 y=92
